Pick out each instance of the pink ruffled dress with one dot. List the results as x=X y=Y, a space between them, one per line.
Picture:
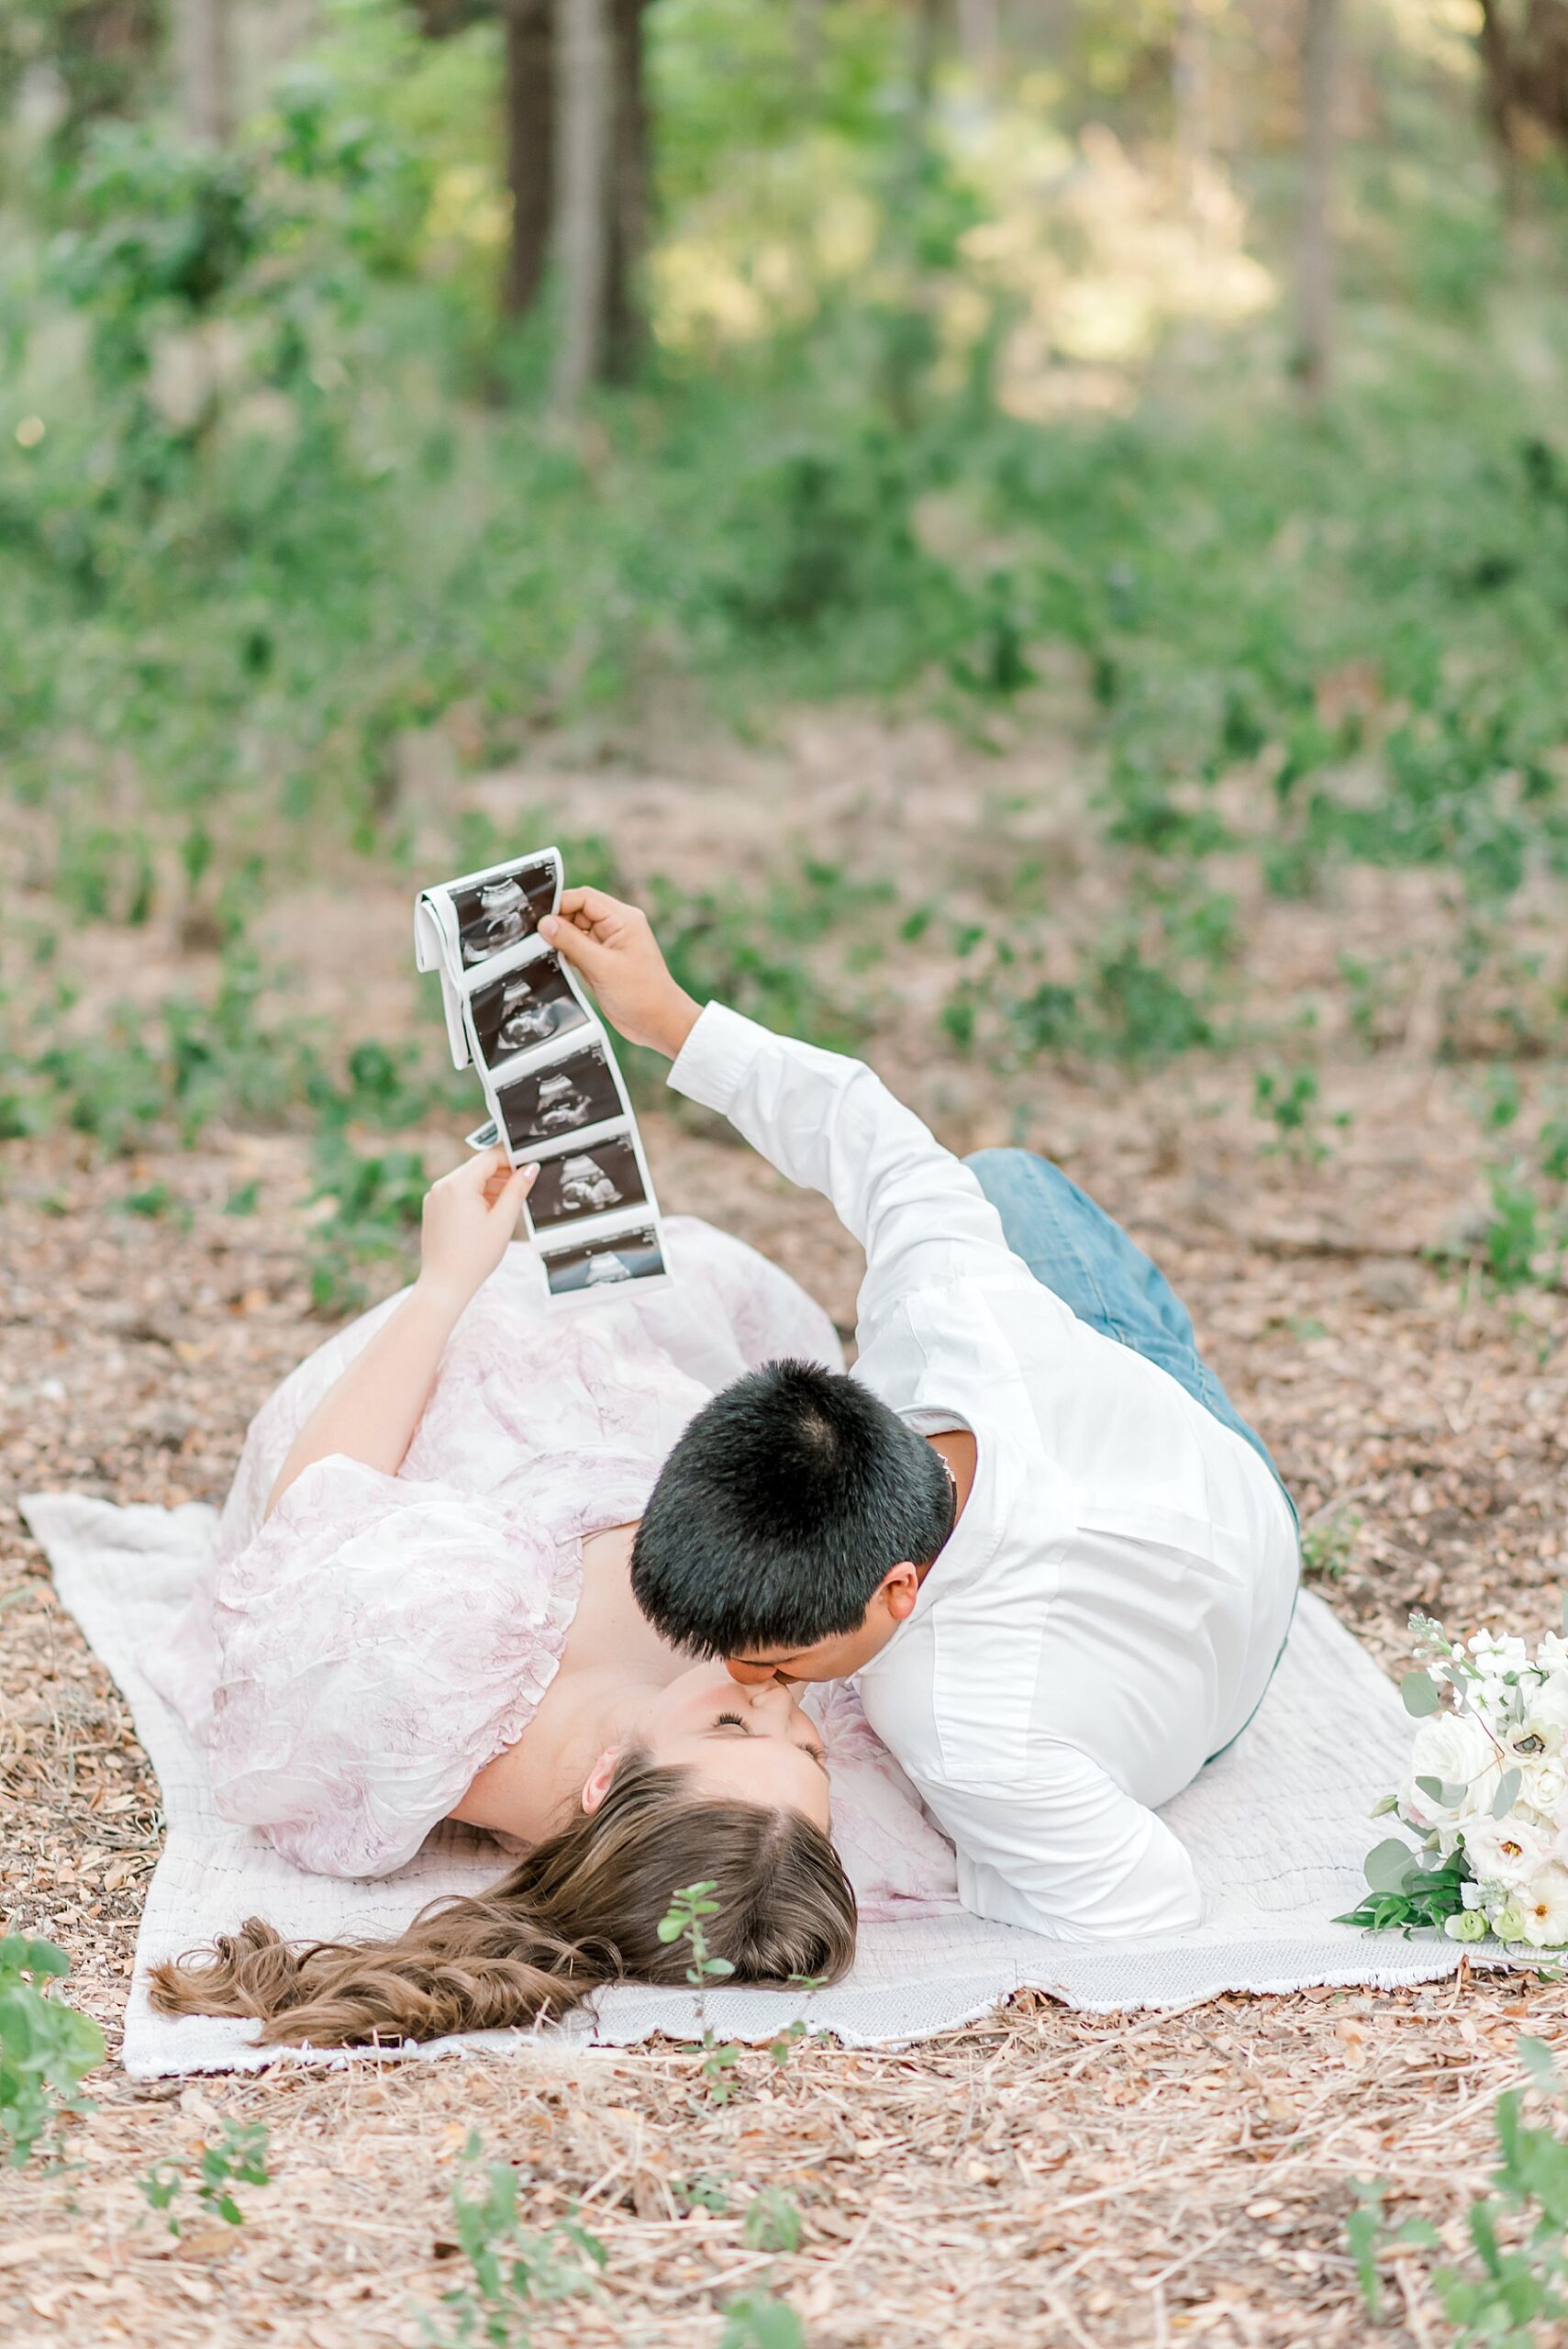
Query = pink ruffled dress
x=355 y=1660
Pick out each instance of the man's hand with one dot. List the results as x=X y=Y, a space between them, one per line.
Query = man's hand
x=615 y=949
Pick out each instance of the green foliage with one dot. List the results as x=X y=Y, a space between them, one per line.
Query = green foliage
x=176 y=1067
x=771 y=2221
x=1291 y=1101
x=46 y=2047
x=1524 y=1237
x=1516 y=2280
x=237 y=2157
x=1405 y=1894
x=687 y=1921
x=513 y=2271
x=373 y=1202
x=720 y=944
x=1328 y=1544
x=757 y=2321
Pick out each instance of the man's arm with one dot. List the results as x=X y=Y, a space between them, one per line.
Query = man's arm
x=824 y=1120
x=1069 y=1855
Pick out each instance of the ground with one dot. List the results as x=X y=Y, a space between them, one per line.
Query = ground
x=1041 y=2177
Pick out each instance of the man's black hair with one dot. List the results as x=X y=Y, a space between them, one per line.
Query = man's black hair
x=780 y=1510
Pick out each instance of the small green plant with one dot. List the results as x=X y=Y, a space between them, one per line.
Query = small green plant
x=704 y=2192
x=687 y=1921
x=377 y=1199
x=1328 y=1543
x=236 y=2157
x=513 y=2271
x=46 y=2048
x=1516 y=2281
x=1290 y=1100
x=772 y=2220
x=757 y=2321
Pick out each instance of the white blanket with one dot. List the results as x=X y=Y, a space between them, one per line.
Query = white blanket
x=1278 y=1827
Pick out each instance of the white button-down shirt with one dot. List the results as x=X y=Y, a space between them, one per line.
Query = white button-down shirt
x=1112 y=1601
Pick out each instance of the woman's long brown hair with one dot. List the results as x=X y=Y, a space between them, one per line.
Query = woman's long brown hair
x=583 y=1908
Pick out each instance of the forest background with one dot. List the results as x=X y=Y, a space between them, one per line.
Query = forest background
x=1035 y=538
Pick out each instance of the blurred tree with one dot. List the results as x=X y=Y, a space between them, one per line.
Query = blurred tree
x=1314 y=289
x=205 y=65
x=582 y=195
x=530 y=112
x=630 y=165
x=1524 y=52
x=100 y=51
x=595 y=91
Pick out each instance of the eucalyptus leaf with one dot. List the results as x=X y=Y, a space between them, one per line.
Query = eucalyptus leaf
x=1506 y=1794
x=1420 y=1695
x=1443 y=1791
x=1390 y=1864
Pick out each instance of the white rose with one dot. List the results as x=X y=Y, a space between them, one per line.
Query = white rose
x=1545 y=1783
x=1543 y=1906
x=1504 y=1851
x=1455 y=1749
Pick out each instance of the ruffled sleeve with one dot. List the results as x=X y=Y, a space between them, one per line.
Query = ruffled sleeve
x=379 y=1640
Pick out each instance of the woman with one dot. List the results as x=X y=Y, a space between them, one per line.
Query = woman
x=421 y=1608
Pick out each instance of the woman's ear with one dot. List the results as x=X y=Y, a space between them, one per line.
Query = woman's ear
x=596 y=1784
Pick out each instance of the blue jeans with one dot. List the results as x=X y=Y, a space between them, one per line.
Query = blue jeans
x=1074 y=1248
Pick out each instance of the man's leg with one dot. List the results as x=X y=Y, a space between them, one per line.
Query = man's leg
x=1077 y=1251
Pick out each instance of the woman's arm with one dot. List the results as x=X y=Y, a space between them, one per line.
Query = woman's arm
x=370 y=1415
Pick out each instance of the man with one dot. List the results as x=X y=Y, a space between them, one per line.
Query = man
x=1031 y=1522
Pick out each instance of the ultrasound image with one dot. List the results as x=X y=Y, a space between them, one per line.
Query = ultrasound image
x=499 y=912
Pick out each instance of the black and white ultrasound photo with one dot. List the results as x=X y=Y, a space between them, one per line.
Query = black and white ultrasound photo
x=604 y=1263
x=585 y=1183
x=504 y=910
x=563 y=1097
x=527 y=1006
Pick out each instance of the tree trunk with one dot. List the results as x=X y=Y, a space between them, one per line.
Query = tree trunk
x=203 y=56
x=626 y=325
x=980 y=44
x=531 y=163
x=1316 y=283
x=582 y=193
x=1191 y=81
x=807 y=17
x=1524 y=59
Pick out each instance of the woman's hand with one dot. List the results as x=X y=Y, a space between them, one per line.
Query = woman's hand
x=471 y=1216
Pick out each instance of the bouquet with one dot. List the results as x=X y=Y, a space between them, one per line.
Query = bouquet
x=1487 y=1794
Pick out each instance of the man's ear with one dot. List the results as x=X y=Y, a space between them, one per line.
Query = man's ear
x=596 y=1784
x=898 y=1590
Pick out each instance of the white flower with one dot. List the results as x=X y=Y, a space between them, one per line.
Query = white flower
x=1496 y=1654
x=1504 y=1851
x=1455 y=1749
x=1549 y=1702
x=1543 y=1907
x=1545 y=1784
